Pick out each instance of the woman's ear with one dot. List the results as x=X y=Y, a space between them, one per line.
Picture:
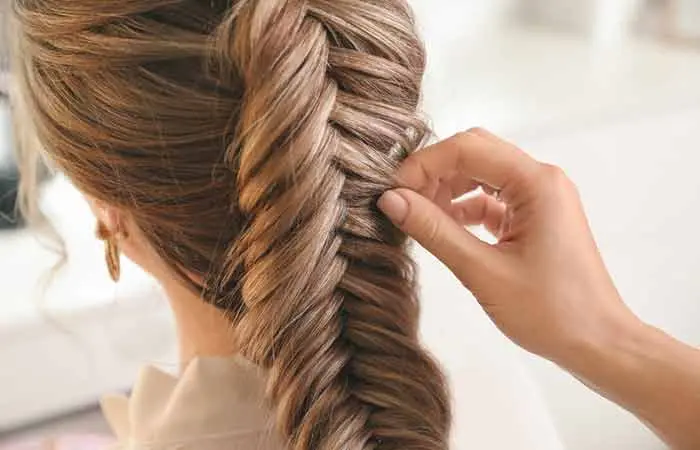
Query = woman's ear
x=132 y=243
x=105 y=214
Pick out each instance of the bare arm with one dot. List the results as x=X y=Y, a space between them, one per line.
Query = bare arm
x=650 y=374
x=544 y=284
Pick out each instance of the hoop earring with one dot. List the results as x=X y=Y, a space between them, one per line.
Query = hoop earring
x=112 y=251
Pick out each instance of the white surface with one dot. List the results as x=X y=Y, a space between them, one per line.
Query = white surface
x=530 y=82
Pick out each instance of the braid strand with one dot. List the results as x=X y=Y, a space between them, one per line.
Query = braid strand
x=329 y=291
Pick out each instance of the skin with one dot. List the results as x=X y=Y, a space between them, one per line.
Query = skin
x=544 y=284
x=203 y=331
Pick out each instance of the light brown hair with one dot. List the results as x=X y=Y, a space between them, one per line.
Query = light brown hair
x=249 y=141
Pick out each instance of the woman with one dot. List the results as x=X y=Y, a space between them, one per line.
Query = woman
x=236 y=150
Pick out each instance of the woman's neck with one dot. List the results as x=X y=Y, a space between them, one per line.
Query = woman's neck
x=203 y=330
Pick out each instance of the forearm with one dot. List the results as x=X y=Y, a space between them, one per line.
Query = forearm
x=650 y=374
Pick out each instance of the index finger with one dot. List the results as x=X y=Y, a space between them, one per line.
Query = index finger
x=467 y=155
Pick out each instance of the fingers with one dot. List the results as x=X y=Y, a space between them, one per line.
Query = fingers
x=436 y=231
x=481 y=210
x=443 y=197
x=472 y=156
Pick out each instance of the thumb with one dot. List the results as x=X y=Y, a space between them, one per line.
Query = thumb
x=436 y=231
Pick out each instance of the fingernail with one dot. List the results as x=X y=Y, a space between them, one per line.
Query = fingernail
x=394 y=206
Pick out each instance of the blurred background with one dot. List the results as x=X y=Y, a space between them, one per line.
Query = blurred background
x=608 y=89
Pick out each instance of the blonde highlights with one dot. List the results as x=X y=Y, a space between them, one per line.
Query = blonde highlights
x=250 y=143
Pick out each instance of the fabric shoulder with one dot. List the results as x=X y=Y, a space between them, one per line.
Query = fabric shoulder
x=217 y=403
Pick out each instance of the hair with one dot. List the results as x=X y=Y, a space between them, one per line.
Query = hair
x=249 y=141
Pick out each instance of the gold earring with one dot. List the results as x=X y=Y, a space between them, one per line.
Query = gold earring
x=112 y=251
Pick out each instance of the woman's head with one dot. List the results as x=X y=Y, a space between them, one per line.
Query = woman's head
x=247 y=142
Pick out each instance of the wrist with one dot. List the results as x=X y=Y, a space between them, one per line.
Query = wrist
x=647 y=372
x=615 y=339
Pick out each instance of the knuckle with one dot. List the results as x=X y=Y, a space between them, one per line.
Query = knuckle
x=556 y=178
x=409 y=165
x=433 y=230
x=465 y=136
x=478 y=131
x=553 y=171
x=554 y=175
x=472 y=133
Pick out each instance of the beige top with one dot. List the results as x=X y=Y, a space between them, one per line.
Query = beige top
x=217 y=404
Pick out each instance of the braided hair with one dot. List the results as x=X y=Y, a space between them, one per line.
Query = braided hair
x=250 y=141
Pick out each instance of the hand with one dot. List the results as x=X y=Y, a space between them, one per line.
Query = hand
x=544 y=283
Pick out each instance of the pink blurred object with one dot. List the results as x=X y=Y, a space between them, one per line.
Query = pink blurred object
x=75 y=442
